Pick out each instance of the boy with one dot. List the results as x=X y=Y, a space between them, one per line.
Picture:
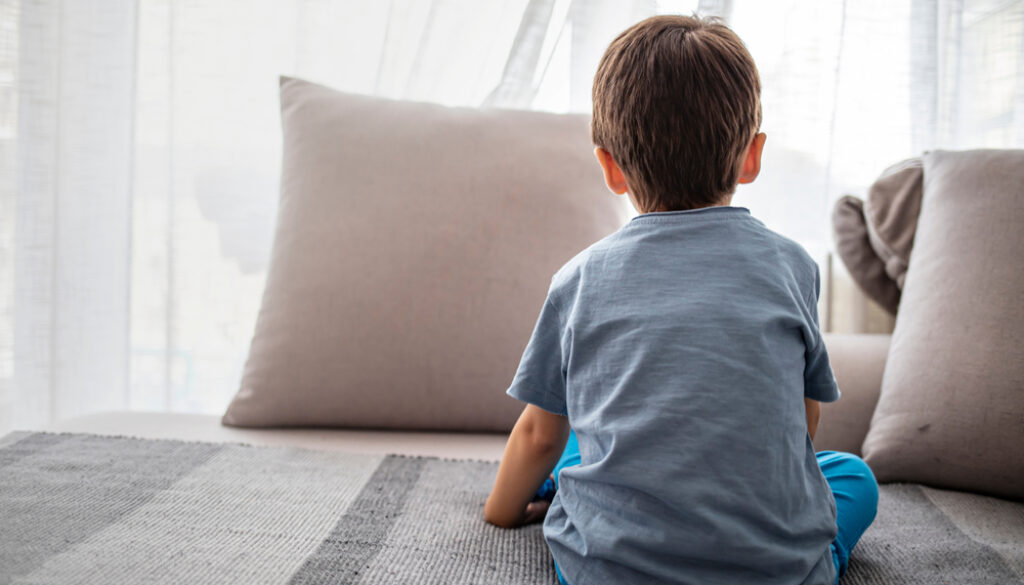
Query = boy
x=680 y=357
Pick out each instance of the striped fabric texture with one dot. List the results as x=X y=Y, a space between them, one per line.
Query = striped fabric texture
x=80 y=508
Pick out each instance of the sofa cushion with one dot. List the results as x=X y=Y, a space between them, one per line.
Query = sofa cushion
x=853 y=245
x=874 y=238
x=203 y=427
x=414 y=247
x=927 y=535
x=951 y=410
x=858 y=362
x=891 y=211
x=118 y=510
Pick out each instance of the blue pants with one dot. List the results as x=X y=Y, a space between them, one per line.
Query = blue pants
x=853 y=487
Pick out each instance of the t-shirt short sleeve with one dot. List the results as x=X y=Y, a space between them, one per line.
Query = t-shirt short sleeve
x=819 y=381
x=540 y=379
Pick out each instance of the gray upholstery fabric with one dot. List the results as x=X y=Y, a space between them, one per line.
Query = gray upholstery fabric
x=924 y=536
x=951 y=410
x=87 y=509
x=414 y=247
x=123 y=511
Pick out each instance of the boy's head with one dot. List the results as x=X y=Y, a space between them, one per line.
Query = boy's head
x=676 y=107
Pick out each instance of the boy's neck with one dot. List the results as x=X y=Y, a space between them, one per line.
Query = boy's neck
x=723 y=202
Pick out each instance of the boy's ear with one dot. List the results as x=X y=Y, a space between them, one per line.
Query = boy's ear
x=752 y=160
x=613 y=176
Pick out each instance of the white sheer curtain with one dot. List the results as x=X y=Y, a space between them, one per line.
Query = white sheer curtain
x=139 y=147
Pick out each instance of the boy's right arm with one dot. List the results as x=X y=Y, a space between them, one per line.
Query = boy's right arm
x=533 y=449
x=813 y=408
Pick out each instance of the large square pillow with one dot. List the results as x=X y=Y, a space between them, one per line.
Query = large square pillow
x=414 y=247
x=951 y=410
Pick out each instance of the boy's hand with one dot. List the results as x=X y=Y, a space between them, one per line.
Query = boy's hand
x=535 y=511
x=533 y=449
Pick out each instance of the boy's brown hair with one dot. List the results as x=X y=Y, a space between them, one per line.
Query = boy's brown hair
x=676 y=102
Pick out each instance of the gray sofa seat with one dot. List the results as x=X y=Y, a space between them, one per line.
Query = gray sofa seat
x=202 y=427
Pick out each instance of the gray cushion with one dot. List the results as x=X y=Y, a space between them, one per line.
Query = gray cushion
x=929 y=536
x=414 y=247
x=951 y=410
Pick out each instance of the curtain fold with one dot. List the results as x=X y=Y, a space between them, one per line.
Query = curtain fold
x=140 y=147
x=72 y=207
x=516 y=87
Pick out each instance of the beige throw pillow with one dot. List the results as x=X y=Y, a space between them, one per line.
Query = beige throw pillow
x=891 y=212
x=951 y=411
x=874 y=238
x=853 y=245
x=414 y=247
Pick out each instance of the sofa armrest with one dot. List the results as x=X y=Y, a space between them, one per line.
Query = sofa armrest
x=858 y=362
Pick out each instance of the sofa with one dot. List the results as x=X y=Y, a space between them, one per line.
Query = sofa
x=857 y=360
x=395 y=310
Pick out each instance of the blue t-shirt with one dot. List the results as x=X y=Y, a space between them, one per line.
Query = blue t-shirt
x=681 y=348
